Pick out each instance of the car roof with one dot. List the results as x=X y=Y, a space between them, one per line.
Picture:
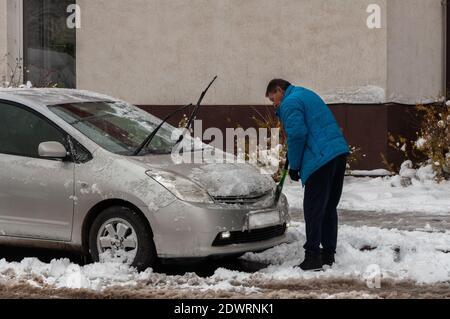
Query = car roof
x=48 y=96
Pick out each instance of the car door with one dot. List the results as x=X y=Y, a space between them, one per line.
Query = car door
x=36 y=194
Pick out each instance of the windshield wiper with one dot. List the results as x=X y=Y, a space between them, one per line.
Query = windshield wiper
x=149 y=138
x=194 y=113
x=188 y=126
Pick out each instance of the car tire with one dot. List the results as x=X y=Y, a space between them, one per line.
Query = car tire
x=123 y=226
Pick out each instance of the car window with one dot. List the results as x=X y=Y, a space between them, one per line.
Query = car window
x=117 y=127
x=21 y=131
x=79 y=152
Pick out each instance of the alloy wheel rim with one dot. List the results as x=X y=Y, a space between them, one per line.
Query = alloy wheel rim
x=119 y=237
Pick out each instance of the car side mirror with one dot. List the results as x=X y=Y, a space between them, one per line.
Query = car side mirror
x=52 y=150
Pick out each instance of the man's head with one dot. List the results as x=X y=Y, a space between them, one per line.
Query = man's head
x=275 y=91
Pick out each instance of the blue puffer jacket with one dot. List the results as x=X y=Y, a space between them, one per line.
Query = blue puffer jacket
x=313 y=135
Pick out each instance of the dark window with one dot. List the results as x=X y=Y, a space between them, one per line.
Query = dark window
x=21 y=131
x=79 y=153
x=49 y=44
x=117 y=127
x=447 y=43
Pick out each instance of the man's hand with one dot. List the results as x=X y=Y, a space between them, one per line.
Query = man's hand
x=294 y=175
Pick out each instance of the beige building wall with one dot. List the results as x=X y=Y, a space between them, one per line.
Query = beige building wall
x=3 y=41
x=416 y=67
x=162 y=52
x=11 y=37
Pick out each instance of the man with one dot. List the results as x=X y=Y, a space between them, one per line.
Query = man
x=317 y=152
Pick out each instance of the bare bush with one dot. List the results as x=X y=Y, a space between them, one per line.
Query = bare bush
x=15 y=76
x=432 y=143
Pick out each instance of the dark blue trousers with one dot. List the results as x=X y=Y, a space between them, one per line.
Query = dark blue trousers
x=323 y=191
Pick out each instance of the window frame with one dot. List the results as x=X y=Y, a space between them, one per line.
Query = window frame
x=22 y=20
x=70 y=158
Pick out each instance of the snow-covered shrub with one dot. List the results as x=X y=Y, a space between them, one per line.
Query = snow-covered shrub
x=269 y=120
x=434 y=138
x=430 y=150
x=14 y=76
x=355 y=156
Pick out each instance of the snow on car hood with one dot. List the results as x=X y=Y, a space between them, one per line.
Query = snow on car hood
x=218 y=179
x=231 y=179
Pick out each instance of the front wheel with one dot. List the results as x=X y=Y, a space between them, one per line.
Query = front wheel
x=121 y=235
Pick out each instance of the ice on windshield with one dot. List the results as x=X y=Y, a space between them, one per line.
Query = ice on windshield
x=116 y=126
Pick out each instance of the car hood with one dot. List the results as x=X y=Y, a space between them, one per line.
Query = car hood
x=219 y=180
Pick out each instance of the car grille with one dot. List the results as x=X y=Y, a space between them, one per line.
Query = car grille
x=242 y=237
x=242 y=200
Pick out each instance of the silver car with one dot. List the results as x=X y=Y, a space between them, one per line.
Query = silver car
x=70 y=179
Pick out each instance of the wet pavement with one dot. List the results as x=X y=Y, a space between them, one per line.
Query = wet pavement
x=401 y=221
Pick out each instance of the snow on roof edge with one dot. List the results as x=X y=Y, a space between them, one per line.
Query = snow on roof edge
x=52 y=96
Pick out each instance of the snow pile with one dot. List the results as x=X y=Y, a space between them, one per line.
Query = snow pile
x=363 y=254
x=398 y=255
x=424 y=195
x=408 y=175
x=426 y=174
x=62 y=273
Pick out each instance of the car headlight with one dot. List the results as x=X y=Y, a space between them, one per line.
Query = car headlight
x=181 y=187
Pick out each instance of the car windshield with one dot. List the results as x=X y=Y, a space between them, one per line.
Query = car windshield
x=117 y=127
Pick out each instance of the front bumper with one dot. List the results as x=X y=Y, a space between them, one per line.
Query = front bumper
x=185 y=230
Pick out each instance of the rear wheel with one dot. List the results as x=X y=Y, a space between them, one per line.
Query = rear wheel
x=119 y=234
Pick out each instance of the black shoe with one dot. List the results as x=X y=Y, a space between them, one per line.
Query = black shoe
x=311 y=262
x=327 y=258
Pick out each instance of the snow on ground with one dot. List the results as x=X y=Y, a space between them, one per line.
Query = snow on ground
x=363 y=252
x=379 y=195
x=400 y=255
